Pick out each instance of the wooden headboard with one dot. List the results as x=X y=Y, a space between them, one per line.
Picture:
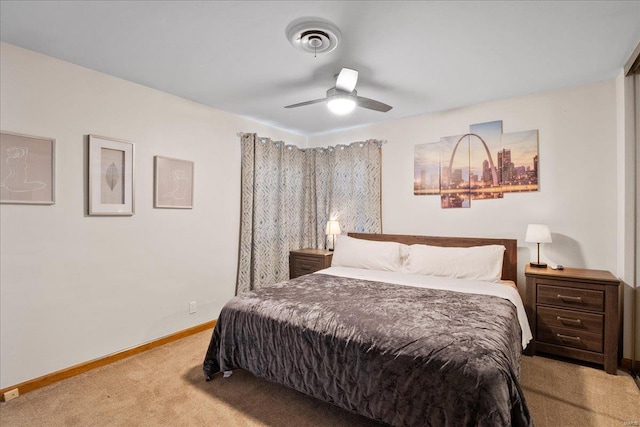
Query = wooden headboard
x=509 y=265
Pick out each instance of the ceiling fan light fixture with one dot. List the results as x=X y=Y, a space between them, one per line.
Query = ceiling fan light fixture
x=341 y=105
x=343 y=98
x=341 y=102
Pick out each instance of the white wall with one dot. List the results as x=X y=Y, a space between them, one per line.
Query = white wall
x=74 y=288
x=577 y=173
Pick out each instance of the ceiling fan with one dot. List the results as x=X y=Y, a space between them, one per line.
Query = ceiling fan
x=343 y=98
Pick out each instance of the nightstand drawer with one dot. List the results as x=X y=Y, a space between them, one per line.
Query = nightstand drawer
x=551 y=294
x=573 y=320
x=570 y=338
x=304 y=265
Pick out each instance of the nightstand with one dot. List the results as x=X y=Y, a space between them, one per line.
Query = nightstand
x=305 y=261
x=574 y=313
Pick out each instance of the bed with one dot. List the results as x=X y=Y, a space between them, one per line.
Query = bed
x=375 y=336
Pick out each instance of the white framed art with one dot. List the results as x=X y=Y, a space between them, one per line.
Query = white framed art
x=111 y=176
x=173 y=183
x=27 y=169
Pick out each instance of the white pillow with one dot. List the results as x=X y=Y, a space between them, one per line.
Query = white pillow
x=369 y=254
x=475 y=263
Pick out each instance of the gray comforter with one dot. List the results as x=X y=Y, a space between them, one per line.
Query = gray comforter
x=398 y=354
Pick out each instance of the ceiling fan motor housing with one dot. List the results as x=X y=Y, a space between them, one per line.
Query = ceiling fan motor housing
x=337 y=93
x=316 y=37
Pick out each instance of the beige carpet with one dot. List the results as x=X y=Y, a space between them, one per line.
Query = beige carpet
x=165 y=386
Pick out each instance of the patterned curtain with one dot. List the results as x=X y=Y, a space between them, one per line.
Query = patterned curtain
x=288 y=194
x=354 y=192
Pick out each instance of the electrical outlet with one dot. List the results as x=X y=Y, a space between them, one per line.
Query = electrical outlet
x=192 y=307
x=11 y=394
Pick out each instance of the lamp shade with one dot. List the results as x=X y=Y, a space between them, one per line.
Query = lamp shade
x=538 y=233
x=333 y=227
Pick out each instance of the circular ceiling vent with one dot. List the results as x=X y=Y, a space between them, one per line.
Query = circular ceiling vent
x=313 y=35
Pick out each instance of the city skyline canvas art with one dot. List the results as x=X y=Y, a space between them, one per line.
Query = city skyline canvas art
x=482 y=164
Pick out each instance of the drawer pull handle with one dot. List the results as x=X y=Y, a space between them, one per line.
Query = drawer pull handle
x=305 y=268
x=569 y=298
x=566 y=320
x=567 y=337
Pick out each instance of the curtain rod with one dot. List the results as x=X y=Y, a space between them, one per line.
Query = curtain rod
x=378 y=141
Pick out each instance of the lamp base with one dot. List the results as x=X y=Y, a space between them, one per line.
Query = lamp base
x=538 y=264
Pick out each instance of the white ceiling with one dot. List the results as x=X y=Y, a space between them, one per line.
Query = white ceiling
x=418 y=57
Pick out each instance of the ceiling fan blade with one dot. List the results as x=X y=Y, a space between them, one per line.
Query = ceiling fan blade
x=347 y=80
x=372 y=104
x=302 y=104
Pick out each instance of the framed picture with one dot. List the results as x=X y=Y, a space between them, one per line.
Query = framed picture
x=110 y=176
x=173 y=183
x=27 y=169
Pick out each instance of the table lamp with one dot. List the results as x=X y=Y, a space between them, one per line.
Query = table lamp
x=538 y=233
x=333 y=228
